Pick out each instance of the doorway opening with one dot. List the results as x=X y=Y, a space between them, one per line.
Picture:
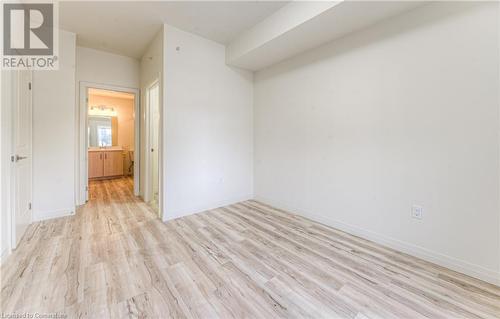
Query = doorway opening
x=110 y=137
x=152 y=116
x=111 y=131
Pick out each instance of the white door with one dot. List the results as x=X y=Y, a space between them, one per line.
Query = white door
x=153 y=99
x=22 y=155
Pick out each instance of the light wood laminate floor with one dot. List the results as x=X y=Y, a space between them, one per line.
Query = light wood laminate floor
x=114 y=258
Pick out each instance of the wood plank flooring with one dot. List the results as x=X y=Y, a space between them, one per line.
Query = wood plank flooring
x=115 y=259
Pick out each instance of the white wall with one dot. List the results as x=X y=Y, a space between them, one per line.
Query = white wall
x=106 y=68
x=406 y=112
x=208 y=145
x=151 y=70
x=54 y=135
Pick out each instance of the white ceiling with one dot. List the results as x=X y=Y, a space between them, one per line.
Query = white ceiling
x=127 y=27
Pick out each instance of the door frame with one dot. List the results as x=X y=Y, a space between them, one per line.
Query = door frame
x=146 y=177
x=82 y=155
x=147 y=131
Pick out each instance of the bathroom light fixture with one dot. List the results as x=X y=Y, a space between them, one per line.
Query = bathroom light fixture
x=102 y=110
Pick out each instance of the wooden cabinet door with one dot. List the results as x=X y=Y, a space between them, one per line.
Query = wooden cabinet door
x=96 y=164
x=113 y=163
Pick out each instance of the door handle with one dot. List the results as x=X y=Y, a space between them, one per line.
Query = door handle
x=19 y=158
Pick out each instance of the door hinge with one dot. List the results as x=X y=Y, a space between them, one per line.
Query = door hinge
x=29 y=85
x=12 y=159
x=29 y=206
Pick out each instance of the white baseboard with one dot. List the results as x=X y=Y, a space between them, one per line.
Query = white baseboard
x=198 y=209
x=39 y=216
x=450 y=262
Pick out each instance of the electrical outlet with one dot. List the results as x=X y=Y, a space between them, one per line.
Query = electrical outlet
x=417 y=212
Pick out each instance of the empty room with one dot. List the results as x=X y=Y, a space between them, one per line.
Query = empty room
x=250 y=159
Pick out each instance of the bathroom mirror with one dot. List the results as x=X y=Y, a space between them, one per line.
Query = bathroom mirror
x=102 y=131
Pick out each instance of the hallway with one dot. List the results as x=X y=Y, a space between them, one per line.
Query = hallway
x=115 y=259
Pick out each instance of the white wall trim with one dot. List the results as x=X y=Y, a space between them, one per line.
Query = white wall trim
x=450 y=262
x=40 y=216
x=81 y=164
x=198 y=209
